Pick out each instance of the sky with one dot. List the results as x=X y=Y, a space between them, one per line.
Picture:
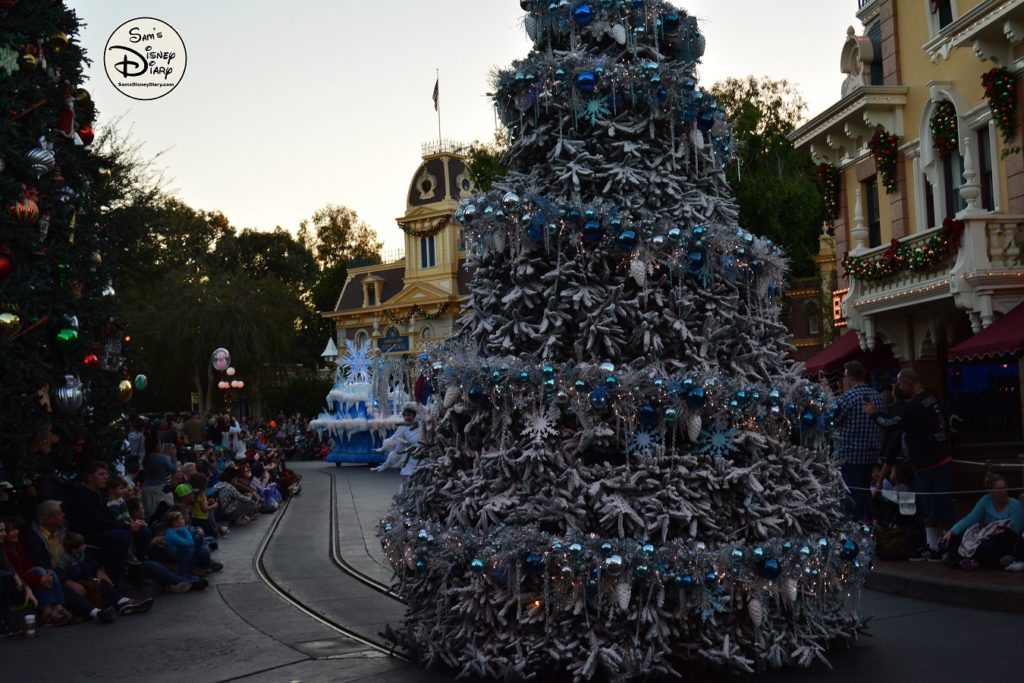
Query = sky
x=285 y=107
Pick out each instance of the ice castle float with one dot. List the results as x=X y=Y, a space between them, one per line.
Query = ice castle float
x=364 y=407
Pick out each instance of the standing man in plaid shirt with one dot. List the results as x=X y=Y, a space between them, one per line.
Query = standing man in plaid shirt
x=859 y=436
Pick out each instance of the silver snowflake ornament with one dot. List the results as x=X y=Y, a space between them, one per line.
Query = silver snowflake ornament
x=718 y=441
x=357 y=358
x=593 y=109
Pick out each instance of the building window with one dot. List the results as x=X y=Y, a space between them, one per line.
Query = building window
x=942 y=13
x=929 y=201
x=426 y=333
x=871 y=212
x=361 y=337
x=371 y=295
x=462 y=240
x=953 y=178
x=984 y=157
x=428 y=258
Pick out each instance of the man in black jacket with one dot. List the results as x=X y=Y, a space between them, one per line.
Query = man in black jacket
x=88 y=514
x=926 y=439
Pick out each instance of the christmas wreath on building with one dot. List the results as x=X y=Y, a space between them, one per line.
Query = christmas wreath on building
x=943 y=127
x=1001 y=92
x=885 y=148
x=828 y=182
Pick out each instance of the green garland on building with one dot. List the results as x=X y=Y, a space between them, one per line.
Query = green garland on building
x=901 y=257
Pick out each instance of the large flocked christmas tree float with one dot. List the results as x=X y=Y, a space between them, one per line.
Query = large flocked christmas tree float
x=626 y=476
x=364 y=405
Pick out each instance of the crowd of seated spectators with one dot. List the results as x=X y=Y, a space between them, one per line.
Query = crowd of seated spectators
x=150 y=522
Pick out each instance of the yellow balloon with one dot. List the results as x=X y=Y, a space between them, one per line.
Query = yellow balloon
x=124 y=391
x=10 y=324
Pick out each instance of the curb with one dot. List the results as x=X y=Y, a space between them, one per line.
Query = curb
x=987 y=589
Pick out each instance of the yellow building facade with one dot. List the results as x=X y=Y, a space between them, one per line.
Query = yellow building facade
x=931 y=258
x=405 y=304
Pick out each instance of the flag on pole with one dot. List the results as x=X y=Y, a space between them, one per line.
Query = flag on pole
x=437 y=92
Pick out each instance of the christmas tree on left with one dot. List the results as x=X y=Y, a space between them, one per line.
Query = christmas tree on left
x=61 y=362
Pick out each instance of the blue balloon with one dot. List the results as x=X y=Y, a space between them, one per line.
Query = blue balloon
x=586 y=81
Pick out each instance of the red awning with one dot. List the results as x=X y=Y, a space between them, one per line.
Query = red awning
x=834 y=355
x=830 y=359
x=1003 y=337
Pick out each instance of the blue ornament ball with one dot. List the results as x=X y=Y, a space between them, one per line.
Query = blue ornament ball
x=477 y=565
x=769 y=568
x=478 y=395
x=599 y=399
x=586 y=81
x=675 y=235
x=685 y=581
x=421 y=566
x=647 y=550
x=533 y=564
x=582 y=14
x=696 y=399
x=647 y=414
x=606 y=548
x=758 y=553
x=582 y=385
x=575 y=550
x=705 y=121
x=524 y=376
x=710 y=579
x=736 y=555
x=641 y=571
x=808 y=419
x=627 y=240
x=849 y=550
x=671 y=415
x=548 y=371
x=592 y=231
x=574 y=215
x=614 y=565
x=670 y=22
x=695 y=260
x=611 y=382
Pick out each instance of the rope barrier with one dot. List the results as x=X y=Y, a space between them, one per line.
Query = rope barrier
x=932 y=493
x=989 y=464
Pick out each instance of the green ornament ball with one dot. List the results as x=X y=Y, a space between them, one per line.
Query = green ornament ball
x=67 y=339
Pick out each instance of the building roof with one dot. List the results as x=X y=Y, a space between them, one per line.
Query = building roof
x=352 y=295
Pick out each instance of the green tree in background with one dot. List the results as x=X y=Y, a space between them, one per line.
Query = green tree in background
x=339 y=236
x=485 y=161
x=775 y=185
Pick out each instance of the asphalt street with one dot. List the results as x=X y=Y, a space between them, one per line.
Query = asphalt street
x=240 y=629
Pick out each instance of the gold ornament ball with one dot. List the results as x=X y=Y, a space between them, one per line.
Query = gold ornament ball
x=10 y=324
x=97 y=257
x=59 y=41
x=104 y=173
x=82 y=95
x=28 y=62
x=124 y=391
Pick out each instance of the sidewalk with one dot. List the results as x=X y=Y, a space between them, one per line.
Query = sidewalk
x=991 y=589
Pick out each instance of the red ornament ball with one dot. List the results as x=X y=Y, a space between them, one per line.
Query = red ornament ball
x=86 y=134
x=6 y=266
x=91 y=360
x=25 y=211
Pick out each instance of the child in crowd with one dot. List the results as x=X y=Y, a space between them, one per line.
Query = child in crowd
x=885 y=495
x=117 y=492
x=95 y=583
x=203 y=509
x=178 y=541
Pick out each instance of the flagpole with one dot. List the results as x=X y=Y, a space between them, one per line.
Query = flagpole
x=438 y=107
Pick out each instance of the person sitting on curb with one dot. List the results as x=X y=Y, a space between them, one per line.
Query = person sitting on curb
x=83 y=571
x=12 y=590
x=44 y=545
x=990 y=534
x=235 y=507
x=44 y=582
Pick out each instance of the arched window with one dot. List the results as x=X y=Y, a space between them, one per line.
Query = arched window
x=361 y=337
x=426 y=333
x=428 y=258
